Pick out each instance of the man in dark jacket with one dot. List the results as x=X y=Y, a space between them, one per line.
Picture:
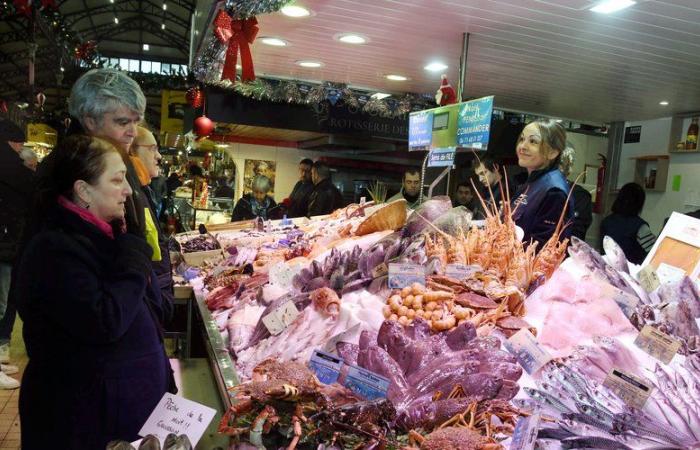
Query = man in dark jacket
x=299 y=198
x=325 y=197
x=15 y=197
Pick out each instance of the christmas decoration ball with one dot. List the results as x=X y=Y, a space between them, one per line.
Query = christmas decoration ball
x=203 y=126
x=195 y=97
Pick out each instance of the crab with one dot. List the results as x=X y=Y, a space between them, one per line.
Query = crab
x=289 y=387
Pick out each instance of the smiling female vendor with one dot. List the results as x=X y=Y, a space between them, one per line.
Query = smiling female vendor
x=540 y=201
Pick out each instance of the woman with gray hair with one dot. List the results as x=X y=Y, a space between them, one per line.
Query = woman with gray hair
x=255 y=204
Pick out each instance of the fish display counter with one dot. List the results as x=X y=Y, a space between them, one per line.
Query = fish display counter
x=378 y=328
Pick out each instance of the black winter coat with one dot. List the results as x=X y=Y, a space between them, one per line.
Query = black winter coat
x=244 y=209
x=15 y=198
x=299 y=199
x=324 y=199
x=583 y=212
x=97 y=366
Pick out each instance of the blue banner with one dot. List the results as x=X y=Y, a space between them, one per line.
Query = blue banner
x=474 y=123
x=420 y=130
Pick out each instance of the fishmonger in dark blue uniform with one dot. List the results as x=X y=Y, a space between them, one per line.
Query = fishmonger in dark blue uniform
x=539 y=202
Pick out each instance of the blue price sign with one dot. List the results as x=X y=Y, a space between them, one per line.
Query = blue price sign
x=420 y=130
x=325 y=366
x=474 y=123
x=367 y=384
x=442 y=157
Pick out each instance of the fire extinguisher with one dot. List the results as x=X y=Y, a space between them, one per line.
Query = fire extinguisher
x=598 y=205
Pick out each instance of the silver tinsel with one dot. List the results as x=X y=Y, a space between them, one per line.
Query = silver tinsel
x=243 y=9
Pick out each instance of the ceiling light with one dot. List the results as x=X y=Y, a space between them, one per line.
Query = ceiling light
x=295 y=11
x=611 y=6
x=380 y=96
x=146 y=47
x=116 y=20
x=162 y=26
x=663 y=103
x=111 y=1
x=63 y=69
x=435 y=67
x=396 y=78
x=352 y=38
x=165 y=6
x=276 y=42
x=310 y=64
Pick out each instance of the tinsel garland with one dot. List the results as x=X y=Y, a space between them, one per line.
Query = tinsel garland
x=243 y=9
x=320 y=96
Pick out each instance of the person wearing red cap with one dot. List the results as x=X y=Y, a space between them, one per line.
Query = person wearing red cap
x=15 y=197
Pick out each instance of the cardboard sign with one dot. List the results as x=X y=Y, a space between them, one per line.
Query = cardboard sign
x=525 y=433
x=280 y=318
x=325 y=366
x=365 y=383
x=177 y=415
x=632 y=390
x=380 y=271
x=402 y=275
x=648 y=278
x=527 y=351
x=657 y=344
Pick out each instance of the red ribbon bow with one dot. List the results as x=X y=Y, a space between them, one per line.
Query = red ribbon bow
x=238 y=33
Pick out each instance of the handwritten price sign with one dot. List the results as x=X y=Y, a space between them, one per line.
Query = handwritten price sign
x=178 y=415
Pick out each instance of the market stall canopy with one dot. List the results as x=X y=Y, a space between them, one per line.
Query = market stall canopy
x=550 y=57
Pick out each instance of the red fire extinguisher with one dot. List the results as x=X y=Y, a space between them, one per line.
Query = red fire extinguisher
x=598 y=205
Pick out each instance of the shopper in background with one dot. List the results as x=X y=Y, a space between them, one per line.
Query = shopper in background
x=542 y=200
x=583 y=201
x=145 y=156
x=174 y=181
x=491 y=178
x=97 y=366
x=410 y=189
x=325 y=198
x=30 y=159
x=464 y=196
x=624 y=226
x=256 y=204
x=15 y=198
x=299 y=198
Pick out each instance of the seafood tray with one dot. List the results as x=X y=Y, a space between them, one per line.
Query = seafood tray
x=222 y=366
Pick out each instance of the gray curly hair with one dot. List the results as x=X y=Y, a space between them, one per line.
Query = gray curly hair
x=100 y=91
x=566 y=159
x=261 y=184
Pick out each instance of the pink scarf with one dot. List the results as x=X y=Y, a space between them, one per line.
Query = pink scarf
x=87 y=216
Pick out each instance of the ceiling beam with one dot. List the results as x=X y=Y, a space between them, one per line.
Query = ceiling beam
x=104 y=8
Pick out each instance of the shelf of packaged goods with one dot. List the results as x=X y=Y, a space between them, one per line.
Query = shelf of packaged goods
x=220 y=360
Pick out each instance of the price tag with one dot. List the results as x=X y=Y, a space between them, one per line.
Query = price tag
x=527 y=351
x=648 y=279
x=365 y=383
x=349 y=335
x=657 y=344
x=632 y=390
x=525 y=433
x=177 y=415
x=380 y=270
x=282 y=274
x=457 y=271
x=325 y=366
x=402 y=275
x=280 y=318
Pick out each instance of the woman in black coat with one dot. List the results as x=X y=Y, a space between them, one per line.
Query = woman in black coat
x=626 y=227
x=97 y=366
x=256 y=204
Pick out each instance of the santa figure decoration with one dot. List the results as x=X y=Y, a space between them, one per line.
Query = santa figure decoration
x=446 y=95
